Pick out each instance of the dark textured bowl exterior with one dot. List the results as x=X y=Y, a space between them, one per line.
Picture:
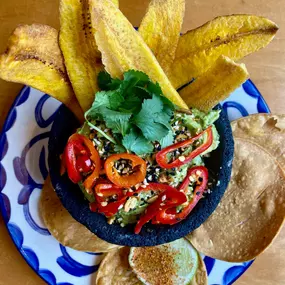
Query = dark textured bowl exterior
x=71 y=197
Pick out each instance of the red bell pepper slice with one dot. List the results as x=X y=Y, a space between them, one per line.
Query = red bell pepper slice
x=138 y=165
x=169 y=216
x=161 y=156
x=169 y=198
x=106 y=190
x=80 y=157
x=103 y=191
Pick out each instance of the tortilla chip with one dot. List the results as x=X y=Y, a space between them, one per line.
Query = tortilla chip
x=115 y=269
x=252 y=210
x=122 y=45
x=215 y=85
x=64 y=228
x=81 y=56
x=234 y=36
x=33 y=58
x=160 y=28
x=266 y=130
x=201 y=276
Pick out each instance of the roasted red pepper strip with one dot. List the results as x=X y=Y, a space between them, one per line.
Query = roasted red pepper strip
x=81 y=157
x=112 y=208
x=169 y=216
x=167 y=199
x=138 y=165
x=156 y=187
x=104 y=191
x=108 y=189
x=161 y=156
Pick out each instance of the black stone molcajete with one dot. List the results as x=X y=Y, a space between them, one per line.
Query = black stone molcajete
x=219 y=164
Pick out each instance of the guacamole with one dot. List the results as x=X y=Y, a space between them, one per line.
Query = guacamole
x=183 y=126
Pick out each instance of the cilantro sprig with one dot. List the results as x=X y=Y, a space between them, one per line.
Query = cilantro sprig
x=134 y=109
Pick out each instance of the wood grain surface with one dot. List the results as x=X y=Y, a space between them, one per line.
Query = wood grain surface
x=267 y=69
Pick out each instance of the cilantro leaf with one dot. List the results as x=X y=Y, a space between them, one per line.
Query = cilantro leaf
x=134 y=109
x=167 y=140
x=115 y=100
x=119 y=148
x=154 y=88
x=118 y=122
x=104 y=79
x=131 y=104
x=138 y=75
x=132 y=79
x=106 y=82
x=102 y=99
x=109 y=99
x=163 y=119
x=137 y=143
x=145 y=119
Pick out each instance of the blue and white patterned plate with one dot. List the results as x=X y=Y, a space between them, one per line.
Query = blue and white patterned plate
x=23 y=169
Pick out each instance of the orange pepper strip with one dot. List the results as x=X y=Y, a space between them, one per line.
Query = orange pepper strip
x=95 y=158
x=138 y=165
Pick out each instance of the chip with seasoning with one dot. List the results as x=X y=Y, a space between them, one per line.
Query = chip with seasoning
x=64 y=228
x=173 y=263
x=252 y=210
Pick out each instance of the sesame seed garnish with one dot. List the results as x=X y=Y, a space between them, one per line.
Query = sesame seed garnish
x=198 y=172
x=120 y=207
x=191 y=178
x=100 y=194
x=181 y=158
x=104 y=204
x=163 y=197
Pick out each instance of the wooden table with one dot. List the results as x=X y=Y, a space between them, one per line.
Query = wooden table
x=267 y=69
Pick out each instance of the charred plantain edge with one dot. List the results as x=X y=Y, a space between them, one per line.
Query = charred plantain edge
x=23 y=57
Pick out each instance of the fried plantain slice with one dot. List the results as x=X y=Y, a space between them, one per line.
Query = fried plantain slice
x=234 y=36
x=33 y=58
x=81 y=56
x=160 y=29
x=215 y=84
x=124 y=48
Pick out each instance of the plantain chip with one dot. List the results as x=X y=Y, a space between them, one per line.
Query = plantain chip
x=123 y=48
x=234 y=36
x=251 y=212
x=215 y=84
x=81 y=56
x=64 y=228
x=160 y=29
x=33 y=58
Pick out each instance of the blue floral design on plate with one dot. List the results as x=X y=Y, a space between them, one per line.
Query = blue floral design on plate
x=23 y=169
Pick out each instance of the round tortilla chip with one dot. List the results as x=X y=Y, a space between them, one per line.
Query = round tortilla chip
x=64 y=228
x=266 y=130
x=201 y=276
x=115 y=269
x=252 y=210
